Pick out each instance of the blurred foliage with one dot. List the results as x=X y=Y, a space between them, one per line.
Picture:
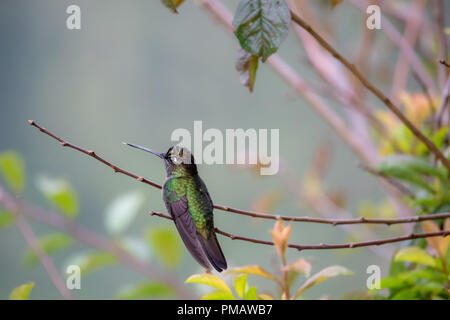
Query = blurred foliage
x=12 y=169
x=59 y=193
x=50 y=243
x=146 y=290
x=22 y=292
x=288 y=273
x=166 y=245
x=418 y=271
x=122 y=211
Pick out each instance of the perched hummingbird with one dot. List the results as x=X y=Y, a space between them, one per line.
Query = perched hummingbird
x=188 y=201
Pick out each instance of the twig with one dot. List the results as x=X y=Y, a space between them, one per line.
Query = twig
x=445 y=63
x=324 y=246
x=351 y=67
x=45 y=260
x=91 y=239
x=245 y=212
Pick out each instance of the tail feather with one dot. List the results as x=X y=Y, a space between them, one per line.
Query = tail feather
x=214 y=252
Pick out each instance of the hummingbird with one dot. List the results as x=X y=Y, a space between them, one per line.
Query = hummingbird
x=188 y=201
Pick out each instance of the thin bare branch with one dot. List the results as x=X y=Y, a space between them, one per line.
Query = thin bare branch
x=351 y=67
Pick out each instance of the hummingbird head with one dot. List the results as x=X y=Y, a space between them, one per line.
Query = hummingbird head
x=178 y=160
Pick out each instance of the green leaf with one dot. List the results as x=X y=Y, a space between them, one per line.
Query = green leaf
x=253 y=270
x=145 y=291
x=60 y=193
x=50 y=243
x=22 y=292
x=251 y=294
x=166 y=244
x=12 y=168
x=261 y=26
x=91 y=261
x=415 y=255
x=218 y=295
x=172 y=4
x=122 y=211
x=323 y=275
x=6 y=219
x=246 y=65
x=409 y=169
x=241 y=285
x=209 y=280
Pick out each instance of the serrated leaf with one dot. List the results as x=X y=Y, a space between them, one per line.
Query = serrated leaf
x=253 y=270
x=166 y=245
x=12 y=169
x=91 y=261
x=122 y=211
x=22 y=292
x=145 y=291
x=172 y=4
x=209 y=280
x=251 y=294
x=241 y=285
x=247 y=65
x=218 y=295
x=415 y=255
x=261 y=26
x=60 y=193
x=323 y=275
x=50 y=244
x=6 y=219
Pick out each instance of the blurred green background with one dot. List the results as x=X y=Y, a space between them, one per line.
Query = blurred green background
x=135 y=72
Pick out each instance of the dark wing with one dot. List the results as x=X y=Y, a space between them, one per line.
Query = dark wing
x=210 y=244
x=179 y=211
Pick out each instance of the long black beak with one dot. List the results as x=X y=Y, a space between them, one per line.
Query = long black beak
x=162 y=156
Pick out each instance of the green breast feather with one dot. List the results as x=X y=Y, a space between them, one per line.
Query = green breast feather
x=199 y=204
